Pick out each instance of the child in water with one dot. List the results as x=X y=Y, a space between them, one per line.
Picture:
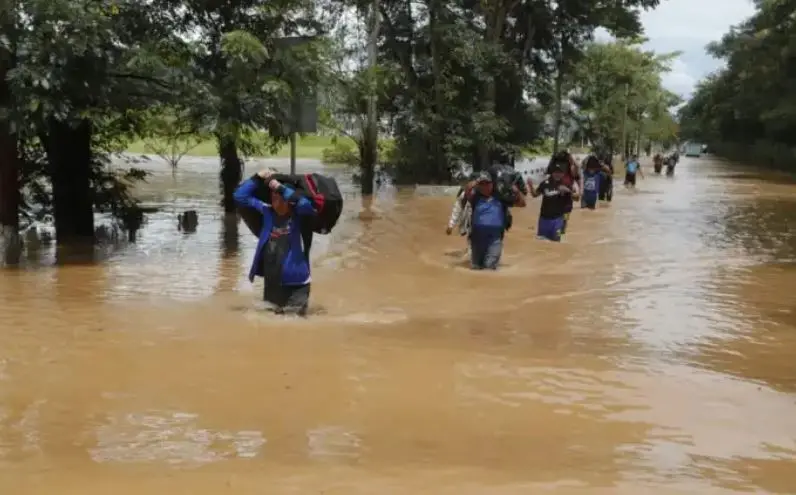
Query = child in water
x=280 y=258
x=556 y=197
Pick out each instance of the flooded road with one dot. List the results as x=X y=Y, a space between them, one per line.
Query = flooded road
x=651 y=352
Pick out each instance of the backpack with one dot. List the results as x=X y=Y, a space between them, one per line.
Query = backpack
x=322 y=190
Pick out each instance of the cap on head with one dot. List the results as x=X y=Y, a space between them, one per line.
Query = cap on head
x=483 y=177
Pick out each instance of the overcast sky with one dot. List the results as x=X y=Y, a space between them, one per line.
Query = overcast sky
x=687 y=26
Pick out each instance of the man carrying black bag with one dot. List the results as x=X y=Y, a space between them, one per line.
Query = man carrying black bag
x=280 y=256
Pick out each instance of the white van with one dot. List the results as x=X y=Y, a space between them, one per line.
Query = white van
x=693 y=150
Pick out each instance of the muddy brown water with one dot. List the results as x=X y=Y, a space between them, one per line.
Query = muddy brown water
x=651 y=352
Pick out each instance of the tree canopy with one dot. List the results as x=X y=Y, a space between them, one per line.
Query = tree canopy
x=747 y=110
x=452 y=82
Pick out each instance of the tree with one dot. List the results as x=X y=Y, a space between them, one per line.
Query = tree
x=619 y=94
x=171 y=134
x=249 y=74
x=79 y=71
x=746 y=111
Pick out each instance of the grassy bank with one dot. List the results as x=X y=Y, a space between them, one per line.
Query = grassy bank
x=309 y=146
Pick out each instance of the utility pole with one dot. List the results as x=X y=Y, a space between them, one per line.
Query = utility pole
x=624 y=124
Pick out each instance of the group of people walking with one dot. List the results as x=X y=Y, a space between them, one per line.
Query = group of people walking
x=482 y=213
x=286 y=211
x=659 y=160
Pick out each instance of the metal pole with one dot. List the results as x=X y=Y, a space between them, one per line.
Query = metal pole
x=292 y=153
x=624 y=124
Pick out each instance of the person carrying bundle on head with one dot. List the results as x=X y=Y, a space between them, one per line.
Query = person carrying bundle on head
x=280 y=257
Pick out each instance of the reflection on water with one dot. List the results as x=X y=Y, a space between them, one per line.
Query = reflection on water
x=650 y=352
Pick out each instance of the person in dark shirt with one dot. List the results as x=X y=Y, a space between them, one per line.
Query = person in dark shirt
x=571 y=179
x=607 y=184
x=280 y=258
x=555 y=200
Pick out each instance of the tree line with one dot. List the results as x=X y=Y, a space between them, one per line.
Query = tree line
x=452 y=82
x=745 y=111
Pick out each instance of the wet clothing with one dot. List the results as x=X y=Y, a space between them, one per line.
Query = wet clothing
x=631 y=169
x=461 y=214
x=551 y=228
x=489 y=217
x=570 y=179
x=288 y=299
x=592 y=180
x=487 y=229
x=552 y=215
x=279 y=257
x=606 y=187
x=566 y=222
x=485 y=253
x=554 y=202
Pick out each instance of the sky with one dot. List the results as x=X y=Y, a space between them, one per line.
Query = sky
x=688 y=26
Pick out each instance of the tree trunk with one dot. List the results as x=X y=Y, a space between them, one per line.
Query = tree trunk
x=369 y=152
x=9 y=168
x=559 y=91
x=438 y=132
x=494 y=30
x=9 y=172
x=231 y=172
x=69 y=154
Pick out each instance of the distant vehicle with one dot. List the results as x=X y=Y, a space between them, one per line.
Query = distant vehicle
x=693 y=150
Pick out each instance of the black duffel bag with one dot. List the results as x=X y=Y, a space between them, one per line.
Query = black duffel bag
x=322 y=190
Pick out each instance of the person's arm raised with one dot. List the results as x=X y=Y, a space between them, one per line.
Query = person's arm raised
x=245 y=196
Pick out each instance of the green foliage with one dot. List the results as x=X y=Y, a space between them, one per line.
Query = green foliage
x=619 y=90
x=747 y=110
x=341 y=153
x=466 y=81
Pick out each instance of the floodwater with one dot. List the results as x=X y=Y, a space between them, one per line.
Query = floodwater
x=654 y=351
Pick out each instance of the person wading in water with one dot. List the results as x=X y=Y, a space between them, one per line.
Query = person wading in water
x=280 y=258
x=555 y=199
x=632 y=168
x=488 y=224
x=461 y=216
x=571 y=179
x=593 y=175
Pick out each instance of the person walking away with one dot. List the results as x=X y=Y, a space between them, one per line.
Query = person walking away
x=488 y=221
x=593 y=176
x=607 y=184
x=632 y=168
x=280 y=258
x=555 y=197
x=657 y=162
x=571 y=179
x=671 y=162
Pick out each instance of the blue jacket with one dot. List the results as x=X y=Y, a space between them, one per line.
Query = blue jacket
x=295 y=269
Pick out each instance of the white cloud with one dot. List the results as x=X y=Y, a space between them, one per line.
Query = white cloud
x=679 y=80
x=688 y=26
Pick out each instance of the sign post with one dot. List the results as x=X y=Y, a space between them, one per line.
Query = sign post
x=303 y=116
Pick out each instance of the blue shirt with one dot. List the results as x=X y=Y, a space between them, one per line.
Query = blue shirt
x=632 y=167
x=591 y=182
x=489 y=216
x=295 y=268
